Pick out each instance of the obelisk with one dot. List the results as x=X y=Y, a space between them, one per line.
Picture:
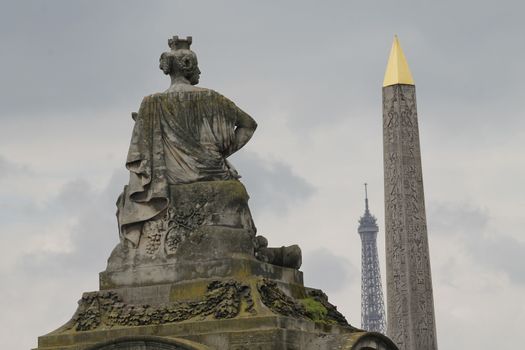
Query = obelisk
x=410 y=304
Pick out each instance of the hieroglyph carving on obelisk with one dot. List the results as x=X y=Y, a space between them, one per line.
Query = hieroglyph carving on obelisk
x=410 y=305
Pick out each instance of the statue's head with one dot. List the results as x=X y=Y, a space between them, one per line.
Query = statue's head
x=180 y=61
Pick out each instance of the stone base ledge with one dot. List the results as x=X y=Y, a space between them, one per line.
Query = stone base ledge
x=238 y=267
x=254 y=333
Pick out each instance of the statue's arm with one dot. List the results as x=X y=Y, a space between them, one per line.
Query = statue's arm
x=245 y=127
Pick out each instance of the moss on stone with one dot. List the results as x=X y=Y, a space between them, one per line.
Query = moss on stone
x=234 y=193
x=315 y=310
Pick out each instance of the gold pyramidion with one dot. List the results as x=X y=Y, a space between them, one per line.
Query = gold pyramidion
x=397 y=71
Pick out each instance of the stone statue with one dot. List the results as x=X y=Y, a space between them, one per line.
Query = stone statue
x=182 y=135
x=183 y=196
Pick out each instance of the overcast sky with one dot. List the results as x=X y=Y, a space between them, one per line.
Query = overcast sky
x=310 y=73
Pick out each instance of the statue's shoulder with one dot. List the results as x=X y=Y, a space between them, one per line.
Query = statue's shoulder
x=194 y=93
x=201 y=95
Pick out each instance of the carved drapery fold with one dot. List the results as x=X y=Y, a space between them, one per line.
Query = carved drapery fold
x=178 y=138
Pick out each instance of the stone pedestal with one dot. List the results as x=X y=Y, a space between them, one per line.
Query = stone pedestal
x=265 y=307
x=262 y=333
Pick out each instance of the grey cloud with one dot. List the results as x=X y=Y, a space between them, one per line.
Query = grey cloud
x=57 y=61
x=45 y=67
x=47 y=284
x=272 y=185
x=323 y=269
x=75 y=196
x=458 y=218
x=505 y=253
x=9 y=168
x=93 y=236
x=490 y=248
x=96 y=233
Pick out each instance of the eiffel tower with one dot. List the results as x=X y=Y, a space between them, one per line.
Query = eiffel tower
x=372 y=304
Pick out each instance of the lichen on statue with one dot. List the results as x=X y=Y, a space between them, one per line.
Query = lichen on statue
x=183 y=135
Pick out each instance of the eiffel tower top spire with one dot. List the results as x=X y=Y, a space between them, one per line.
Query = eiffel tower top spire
x=367 y=222
x=366 y=198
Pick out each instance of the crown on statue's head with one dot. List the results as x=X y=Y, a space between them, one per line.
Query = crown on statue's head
x=180 y=44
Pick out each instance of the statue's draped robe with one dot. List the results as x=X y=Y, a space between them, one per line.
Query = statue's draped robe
x=178 y=138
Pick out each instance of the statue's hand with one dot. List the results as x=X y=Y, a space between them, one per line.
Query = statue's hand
x=242 y=136
x=243 y=133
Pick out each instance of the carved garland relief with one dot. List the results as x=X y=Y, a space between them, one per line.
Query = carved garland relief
x=170 y=228
x=223 y=299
